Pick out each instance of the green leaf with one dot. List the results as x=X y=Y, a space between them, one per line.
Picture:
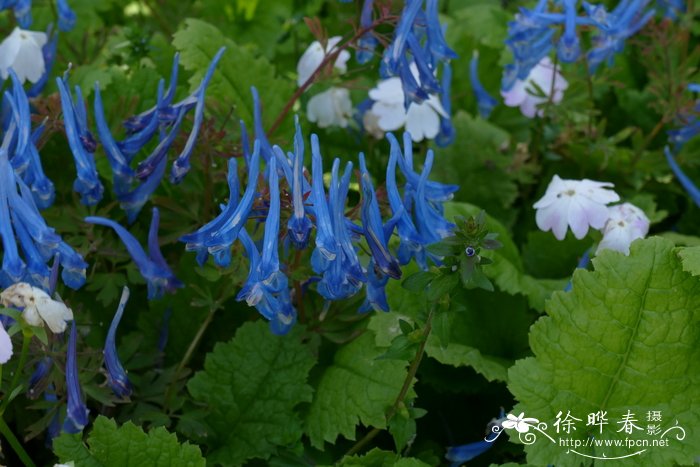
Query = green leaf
x=252 y=385
x=357 y=388
x=128 y=445
x=442 y=285
x=239 y=69
x=625 y=338
x=690 y=257
x=418 y=282
x=378 y=458
x=487 y=333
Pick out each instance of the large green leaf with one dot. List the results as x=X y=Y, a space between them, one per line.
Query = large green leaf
x=252 y=385
x=378 y=458
x=357 y=388
x=127 y=446
x=690 y=257
x=239 y=69
x=626 y=338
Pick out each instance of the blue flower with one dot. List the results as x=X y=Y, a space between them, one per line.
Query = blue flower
x=568 y=47
x=159 y=277
x=686 y=182
x=116 y=376
x=373 y=228
x=182 y=164
x=325 y=242
x=484 y=101
x=20 y=220
x=614 y=29
x=23 y=12
x=77 y=411
x=299 y=225
x=367 y=42
x=82 y=144
x=419 y=36
x=691 y=124
x=66 y=16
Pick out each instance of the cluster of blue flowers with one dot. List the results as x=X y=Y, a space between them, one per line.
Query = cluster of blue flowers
x=23 y=13
x=416 y=214
x=532 y=35
x=24 y=190
x=133 y=187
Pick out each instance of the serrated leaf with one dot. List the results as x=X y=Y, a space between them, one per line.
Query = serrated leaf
x=625 y=338
x=239 y=69
x=690 y=257
x=378 y=458
x=126 y=446
x=357 y=388
x=252 y=385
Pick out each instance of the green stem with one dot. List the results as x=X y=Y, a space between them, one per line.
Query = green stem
x=404 y=389
x=188 y=354
x=18 y=372
x=15 y=444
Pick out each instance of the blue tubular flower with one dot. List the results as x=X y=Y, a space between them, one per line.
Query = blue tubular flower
x=66 y=16
x=367 y=42
x=87 y=183
x=484 y=101
x=691 y=124
x=582 y=264
x=461 y=454
x=133 y=201
x=431 y=223
x=122 y=173
x=265 y=147
x=77 y=411
x=182 y=164
x=159 y=277
x=435 y=192
x=325 y=242
x=38 y=379
x=116 y=376
x=418 y=40
x=298 y=226
x=270 y=262
x=343 y=275
x=686 y=182
x=221 y=235
x=196 y=241
x=41 y=186
x=569 y=48
x=447 y=132
x=23 y=13
x=375 y=290
x=411 y=244
x=374 y=229
x=614 y=29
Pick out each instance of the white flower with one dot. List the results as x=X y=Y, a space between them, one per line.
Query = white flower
x=330 y=108
x=21 y=51
x=626 y=223
x=575 y=203
x=521 y=424
x=314 y=55
x=38 y=306
x=524 y=94
x=5 y=345
x=421 y=120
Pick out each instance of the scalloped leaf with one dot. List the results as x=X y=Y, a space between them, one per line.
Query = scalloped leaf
x=626 y=338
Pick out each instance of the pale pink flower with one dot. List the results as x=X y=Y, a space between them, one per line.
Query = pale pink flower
x=626 y=223
x=578 y=204
x=524 y=94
